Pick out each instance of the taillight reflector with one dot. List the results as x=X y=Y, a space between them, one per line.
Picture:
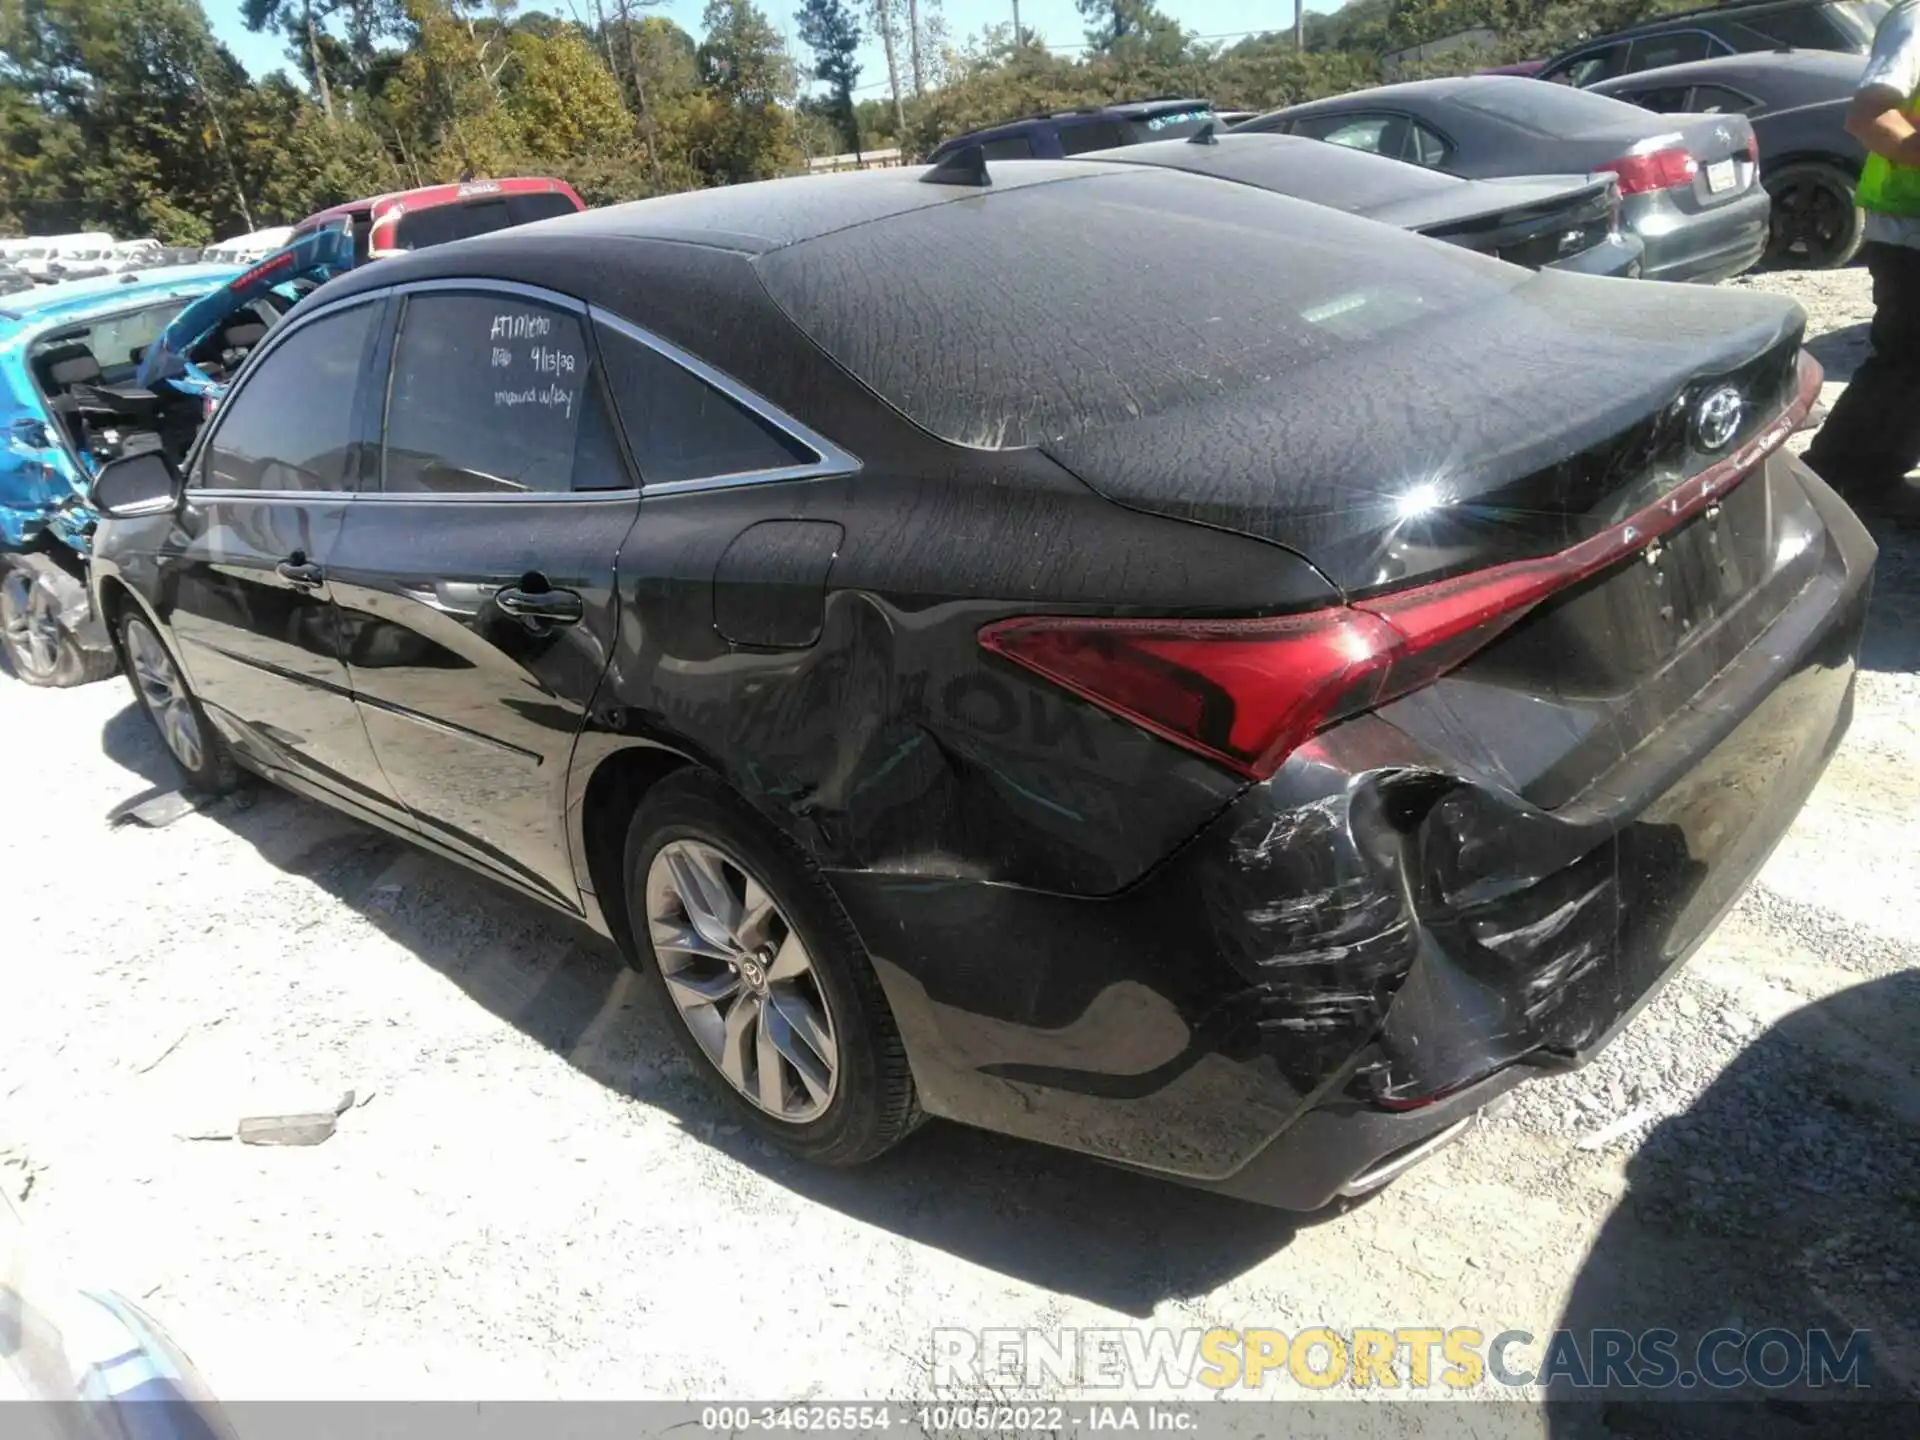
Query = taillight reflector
x=1247 y=692
x=1656 y=170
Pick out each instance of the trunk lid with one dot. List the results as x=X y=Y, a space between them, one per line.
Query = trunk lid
x=1460 y=441
x=1531 y=221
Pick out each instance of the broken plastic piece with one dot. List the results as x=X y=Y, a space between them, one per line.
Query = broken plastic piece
x=965 y=166
x=285 y=1129
x=156 y=812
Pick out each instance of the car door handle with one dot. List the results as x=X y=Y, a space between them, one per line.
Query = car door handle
x=301 y=574
x=547 y=607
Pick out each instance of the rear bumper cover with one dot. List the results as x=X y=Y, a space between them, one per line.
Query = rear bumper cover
x=1713 y=245
x=1362 y=931
x=1621 y=254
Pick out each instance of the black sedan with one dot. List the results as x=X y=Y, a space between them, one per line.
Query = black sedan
x=1689 y=188
x=1796 y=101
x=1106 y=655
x=1569 y=222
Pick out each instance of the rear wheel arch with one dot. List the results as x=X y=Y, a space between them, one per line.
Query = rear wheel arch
x=615 y=789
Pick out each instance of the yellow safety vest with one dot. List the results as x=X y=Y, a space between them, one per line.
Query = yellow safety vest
x=1888 y=188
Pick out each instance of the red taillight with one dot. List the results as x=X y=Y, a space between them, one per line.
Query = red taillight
x=1753 y=147
x=1656 y=170
x=1248 y=692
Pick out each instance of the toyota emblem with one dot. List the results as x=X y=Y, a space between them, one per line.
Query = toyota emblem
x=1716 y=419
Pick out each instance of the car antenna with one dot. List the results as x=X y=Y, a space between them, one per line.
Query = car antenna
x=965 y=166
x=1204 y=136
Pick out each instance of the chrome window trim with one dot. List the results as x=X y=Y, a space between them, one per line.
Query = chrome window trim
x=832 y=459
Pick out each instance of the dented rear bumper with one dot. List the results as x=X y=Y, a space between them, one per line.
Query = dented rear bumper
x=1363 y=950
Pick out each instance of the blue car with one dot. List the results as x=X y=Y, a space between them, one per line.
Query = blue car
x=95 y=369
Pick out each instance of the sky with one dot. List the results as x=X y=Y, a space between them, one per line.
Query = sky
x=1059 y=24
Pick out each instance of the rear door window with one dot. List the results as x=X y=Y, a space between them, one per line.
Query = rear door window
x=1376 y=134
x=1805 y=27
x=1678 y=48
x=1589 y=67
x=494 y=394
x=290 y=425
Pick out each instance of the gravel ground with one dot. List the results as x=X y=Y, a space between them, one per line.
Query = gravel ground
x=529 y=1199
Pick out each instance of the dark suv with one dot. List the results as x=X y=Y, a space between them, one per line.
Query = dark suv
x=1096 y=127
x=1734 y=29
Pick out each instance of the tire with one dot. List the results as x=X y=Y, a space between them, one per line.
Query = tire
x=1815 y=224
x=195 y=746
x=41 y=649
x=840 y=1092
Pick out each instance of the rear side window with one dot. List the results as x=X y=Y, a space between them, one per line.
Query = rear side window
x=493 y=394
x=681 y=428
x=1239 y=289
x=1095 y=135
x=290 y=426
x=1423 y=146
x=1008 y=147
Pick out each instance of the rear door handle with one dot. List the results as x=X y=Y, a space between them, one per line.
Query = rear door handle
x=544 y=607
x=300 y=573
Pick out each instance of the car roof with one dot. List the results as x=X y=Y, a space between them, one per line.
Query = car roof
x=1683 y=19
x=1082 y=115
x=751 y=219
x=75 y=301
x=1842 y=68
x=1351 y=179
x=428 y=196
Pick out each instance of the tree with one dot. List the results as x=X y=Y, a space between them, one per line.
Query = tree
x=827 y=28
x=741 y=127
x=881 y=13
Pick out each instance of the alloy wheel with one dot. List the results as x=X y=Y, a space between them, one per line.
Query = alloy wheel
x=166 y=696
x=742 y=979
x=31 y=626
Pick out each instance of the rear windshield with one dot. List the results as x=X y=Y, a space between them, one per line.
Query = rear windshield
x=478 y=217
x=1036 y=313
x=1543 y=109
x=1173 y=125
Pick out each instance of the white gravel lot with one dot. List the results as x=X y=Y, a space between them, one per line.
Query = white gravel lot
x=532 y=1200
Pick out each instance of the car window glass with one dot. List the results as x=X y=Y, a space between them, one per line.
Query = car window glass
x=1591 y=67
x=1423 y=146
x=488 y=395
x=1718 y=100
x=681 y=428
x=1008 y=147
x=290 y=426
x=1661 y=99
x=1653 y=51
x=1804 y=26
x=1377 y=134
x=1096 y=135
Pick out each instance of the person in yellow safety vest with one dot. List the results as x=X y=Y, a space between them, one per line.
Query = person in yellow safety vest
x=1872 y=436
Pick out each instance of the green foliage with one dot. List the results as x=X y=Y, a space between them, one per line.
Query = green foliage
x=127 y=115
x=829 y=29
